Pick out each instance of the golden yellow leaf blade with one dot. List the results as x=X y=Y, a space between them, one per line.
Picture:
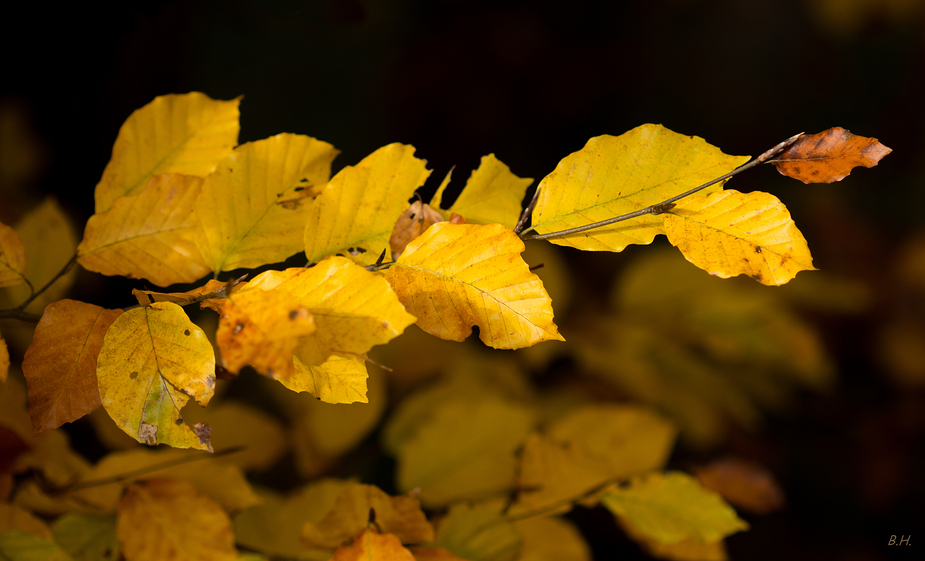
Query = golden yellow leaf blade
x=357 y=210
x=177 y=133
x=152 y=361
x=493 y=195
x=147 y=235
x=673 y=507
x=337 y=380
x=167 y=519
x=612 y=176
x=458 y=275
x=262 y=328
x=370 y=545
x=551 y=538
x=60 y=363
x=729 y=233
x=252 y=210
x=12 y=257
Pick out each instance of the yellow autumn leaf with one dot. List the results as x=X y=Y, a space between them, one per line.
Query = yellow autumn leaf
x=458 y=275
x=177 y=133
x=616 y=175
x=493 y=195
x=87 y=536
x=12 y=257
x=252 y=210
x=60 y=364
x=148 y=234
x=20 y=546
x=370 y=545
x=729 y=233
x=337 y=380
x=551 y=538
x=357 y=210
x=686 y=550
x=166 y=519
x=152 y=361
x=15 y=519
x=4 y=361
x=673 y=507
x=588 y=448
x=479 y=533
x=401 y=516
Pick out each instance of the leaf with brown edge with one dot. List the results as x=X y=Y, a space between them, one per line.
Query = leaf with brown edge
x=829 y=156
x=60 y=364
x=411 y=224
x=12 y=257
x=729 y=233
x=370 y=545
x=147 y=235
x=458 y=275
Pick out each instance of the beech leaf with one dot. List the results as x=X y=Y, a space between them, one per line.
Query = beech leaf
x=60 y=363
x=253 y=208
x=458 y=275
x=340 y=379
x=493 y=195
x=12 y=257
x=147 y=235
x=829 y=156
x=4 y=361
x=88 y=537
x=729 y=233
x=153 y=360
x=615 y=175
x=177 y=133
x=211 y=290
x=370 y=545
x=747 y=485
x=479 y=533
x=411 y=224
x=167 y=519
x=357 y=210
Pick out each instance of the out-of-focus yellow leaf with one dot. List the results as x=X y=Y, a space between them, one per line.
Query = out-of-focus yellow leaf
x=147 y=235
x=356 y=212
x=211 y=290
x=60 y=364
x=262 y=328
x=412 y=223
x=615 y=175
x=4 y=361
x=13 y=413
x=12 y=257
x=50 y=455
x=465 y=450
x=588 y=448
x=551 y=539
x=214 y=478
x=88 y=537
x=166 y=519
x=493 y=195
x=686 y=550
x=274 y=526
x=20 y=546
x=730 y=233
x=353 y=308
x=261 y=436
x=252 y=209
x=401 y=516
x=370 y=545
x=15 y=519
x=152 y=361
x=673 y=507
x=478 y=533
x=185 y=133
x=459 y=275
x=50 y=242
x=336 y=380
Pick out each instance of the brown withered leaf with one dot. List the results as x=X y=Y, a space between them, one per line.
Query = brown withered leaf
x=411 y=224
x=747 y=485
x=829 y=156
x=212 y=290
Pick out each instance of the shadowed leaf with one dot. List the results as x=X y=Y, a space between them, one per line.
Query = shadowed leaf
x=12 y=257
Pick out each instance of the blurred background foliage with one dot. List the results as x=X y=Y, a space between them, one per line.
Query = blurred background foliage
x=822 y=381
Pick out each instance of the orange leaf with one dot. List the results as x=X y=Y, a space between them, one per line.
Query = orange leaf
x=829 y=156
x=60 y=364
x=746 y=485
x=411 y=224
x=370 y=546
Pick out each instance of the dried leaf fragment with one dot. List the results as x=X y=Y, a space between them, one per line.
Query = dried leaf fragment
x=411 y=224
x=829 y=156
x=745 y=484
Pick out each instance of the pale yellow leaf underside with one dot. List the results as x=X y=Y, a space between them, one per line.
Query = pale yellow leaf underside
x=612 y=176
x=177 y=133
x=729 y=233
x=458 y=275
x=356 y=212
x=252 y=210
x=493 y=195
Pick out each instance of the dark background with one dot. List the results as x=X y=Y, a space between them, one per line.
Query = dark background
x=531 y=82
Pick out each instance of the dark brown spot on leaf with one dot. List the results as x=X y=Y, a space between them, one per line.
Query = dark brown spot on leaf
x=133 y=375
x=758 y=249
x=293 y=314
x=186 y=332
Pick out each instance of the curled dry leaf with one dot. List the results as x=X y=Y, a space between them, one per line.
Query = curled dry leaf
x=411 y=224
x=212 y=290
x=746 y=485
x=829 y=156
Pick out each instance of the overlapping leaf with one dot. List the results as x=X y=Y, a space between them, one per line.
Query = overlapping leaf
x=88 y=536
x=187 y=133
x=252 y=209
x=612 y=176
x=60 y=364
x=12 y=257
x=370 y=545
x=153 y=360
x=479 y=533
x=147 y=234
x=211 y=290
x=492 y=195
x=829 y=156
x=340 y=379
x=412 y=223
x=729 y=233
x=356 y=212
x=459 y=275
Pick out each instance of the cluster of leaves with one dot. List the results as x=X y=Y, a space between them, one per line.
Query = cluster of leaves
x=178 y=199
